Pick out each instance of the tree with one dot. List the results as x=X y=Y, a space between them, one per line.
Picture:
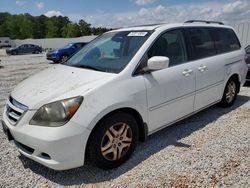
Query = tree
x=52 y=29
x=71 y=30
x=39 y=27
x=27 y=26
x=13 y=26
x=84 y=27
x=4 y=31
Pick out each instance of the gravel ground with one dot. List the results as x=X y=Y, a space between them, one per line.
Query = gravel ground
x=209 y=149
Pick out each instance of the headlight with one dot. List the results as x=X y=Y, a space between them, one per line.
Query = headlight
x=57 y=113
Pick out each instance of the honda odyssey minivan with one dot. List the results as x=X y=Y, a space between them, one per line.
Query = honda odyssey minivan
x=121 y=87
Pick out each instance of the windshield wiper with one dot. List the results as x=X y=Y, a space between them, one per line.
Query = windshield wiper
x=89 y=67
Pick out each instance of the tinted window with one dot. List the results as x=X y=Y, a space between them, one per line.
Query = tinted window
x=229 y=39
x=201 y=43
x=171 y=45
x=225 y=40
x=248 y=49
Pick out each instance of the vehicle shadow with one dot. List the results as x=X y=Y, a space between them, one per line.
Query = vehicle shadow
x=155 y=143
x=247 y=84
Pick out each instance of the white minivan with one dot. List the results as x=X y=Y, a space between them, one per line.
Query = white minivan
x=121 y=87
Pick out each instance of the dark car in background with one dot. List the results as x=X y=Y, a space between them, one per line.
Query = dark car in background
x=62 y=54
x=247 y=59
x=25 y=49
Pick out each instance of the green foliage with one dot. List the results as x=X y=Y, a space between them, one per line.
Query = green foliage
x=71 y=30
x=24 y=26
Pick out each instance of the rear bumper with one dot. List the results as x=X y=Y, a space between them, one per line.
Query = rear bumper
x=59 y=148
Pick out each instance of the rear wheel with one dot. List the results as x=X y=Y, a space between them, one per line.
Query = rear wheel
x=230 y=93
x=113 y=141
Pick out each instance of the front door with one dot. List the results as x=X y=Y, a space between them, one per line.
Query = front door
x=171 y=91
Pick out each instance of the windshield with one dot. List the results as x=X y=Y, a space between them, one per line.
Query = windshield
x=110 y=52
x=68 y=45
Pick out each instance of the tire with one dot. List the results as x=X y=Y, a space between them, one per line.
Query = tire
x=36 y=52
x=14 y=53
x=107 y=148
x=230 y=93
x=64 y=58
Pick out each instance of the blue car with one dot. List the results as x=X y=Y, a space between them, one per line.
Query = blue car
x=62 y=54
x=24 y=49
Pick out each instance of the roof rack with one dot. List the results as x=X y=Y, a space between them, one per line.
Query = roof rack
x=155 y=24
x=204 y=21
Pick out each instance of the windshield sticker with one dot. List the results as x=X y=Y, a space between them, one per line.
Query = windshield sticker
x=137 y=34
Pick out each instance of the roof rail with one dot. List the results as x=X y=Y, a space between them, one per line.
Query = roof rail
x=155 y=24
x=204 y=21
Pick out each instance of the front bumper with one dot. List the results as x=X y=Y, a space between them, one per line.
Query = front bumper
x=59 y=148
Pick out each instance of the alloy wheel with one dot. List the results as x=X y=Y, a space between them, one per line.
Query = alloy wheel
x=64 y=58
x=116 y=141
x=231 y=91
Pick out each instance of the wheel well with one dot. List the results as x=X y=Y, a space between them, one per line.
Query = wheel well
x=64 y=54
x=143 y=129
x=236 y=77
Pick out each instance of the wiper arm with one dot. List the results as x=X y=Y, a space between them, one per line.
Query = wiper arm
x=89 y=67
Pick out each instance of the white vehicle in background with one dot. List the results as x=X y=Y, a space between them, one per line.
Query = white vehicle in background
x=5 y=42
x=120 y=88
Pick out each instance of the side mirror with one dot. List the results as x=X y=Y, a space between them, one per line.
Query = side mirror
x=158 y=63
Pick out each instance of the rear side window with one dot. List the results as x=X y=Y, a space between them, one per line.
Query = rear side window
x=202 y=43
x=226 y=40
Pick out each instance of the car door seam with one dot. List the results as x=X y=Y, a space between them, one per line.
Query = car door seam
x=171 y=101
x=209 y=86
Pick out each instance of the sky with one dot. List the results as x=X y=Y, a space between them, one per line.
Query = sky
x=120 y=13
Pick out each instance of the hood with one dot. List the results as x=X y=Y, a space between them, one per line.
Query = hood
x=58 y=50
x=48 y=85
x=9 y=49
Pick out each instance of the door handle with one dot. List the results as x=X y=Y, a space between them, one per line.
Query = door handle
x=187 y=72
x=202 y=68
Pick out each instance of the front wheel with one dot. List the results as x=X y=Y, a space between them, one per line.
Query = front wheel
x=113 y=141
x=14 y=53
x=230 y=93
x=64 y=58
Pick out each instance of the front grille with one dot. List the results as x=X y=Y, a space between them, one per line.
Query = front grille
x=14 y=110
x=49 y=55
